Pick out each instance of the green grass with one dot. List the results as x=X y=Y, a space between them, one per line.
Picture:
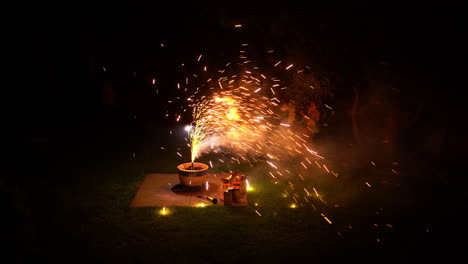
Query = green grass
x=98 y=225
x=80 y=213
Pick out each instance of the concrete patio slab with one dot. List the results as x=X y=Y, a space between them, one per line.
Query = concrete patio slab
x=157 y=190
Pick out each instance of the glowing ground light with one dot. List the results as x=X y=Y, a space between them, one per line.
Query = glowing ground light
x=293 y=205
x=249 y=187
x=164 y=211
x=201 y=205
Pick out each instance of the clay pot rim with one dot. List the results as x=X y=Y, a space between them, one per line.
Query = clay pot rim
x=182 y=166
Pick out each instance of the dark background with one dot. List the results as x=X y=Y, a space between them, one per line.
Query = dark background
x=58 y=52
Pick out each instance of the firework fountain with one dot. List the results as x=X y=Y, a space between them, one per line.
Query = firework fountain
x=236 y=115
x=237 y=122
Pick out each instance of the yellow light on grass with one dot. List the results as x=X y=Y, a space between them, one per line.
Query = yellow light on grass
x=249 y=187
x=164 y=211
x=201 y=205
x=293 y=205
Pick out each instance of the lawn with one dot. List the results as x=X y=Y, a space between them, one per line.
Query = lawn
x=71 y=205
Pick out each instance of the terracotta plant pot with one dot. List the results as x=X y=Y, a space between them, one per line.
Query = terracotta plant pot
x=192 y=176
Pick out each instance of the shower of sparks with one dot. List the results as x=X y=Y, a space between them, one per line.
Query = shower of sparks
x=236 y=112
x=248 y=125
x=239 y=115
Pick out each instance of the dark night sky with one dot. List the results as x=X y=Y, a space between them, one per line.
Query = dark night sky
x=59 y=49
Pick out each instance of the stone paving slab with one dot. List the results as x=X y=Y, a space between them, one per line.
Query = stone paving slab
x=157 y=190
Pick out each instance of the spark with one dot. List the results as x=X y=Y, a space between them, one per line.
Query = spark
x=271 y=164
x=326 y=218
x=316 y=193
x=317 y=164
